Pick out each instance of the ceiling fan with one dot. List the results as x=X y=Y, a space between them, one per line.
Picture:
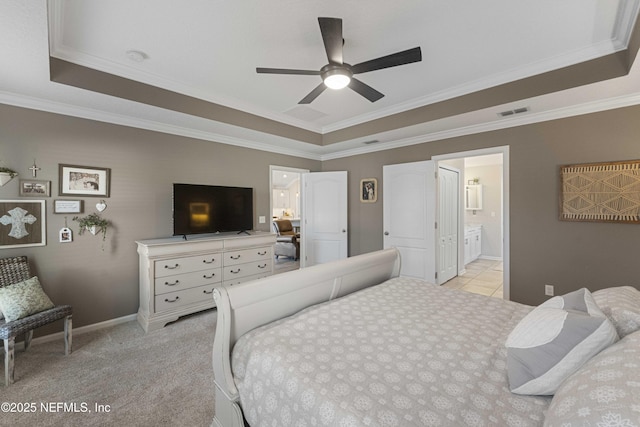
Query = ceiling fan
x=337 y=74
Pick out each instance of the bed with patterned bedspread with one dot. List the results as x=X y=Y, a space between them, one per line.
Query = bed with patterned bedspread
x=350 y=343
x=401 y=353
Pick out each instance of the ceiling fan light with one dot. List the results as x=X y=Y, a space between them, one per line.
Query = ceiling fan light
x=338 y=78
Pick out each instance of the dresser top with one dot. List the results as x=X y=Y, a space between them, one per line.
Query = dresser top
x=195 y=238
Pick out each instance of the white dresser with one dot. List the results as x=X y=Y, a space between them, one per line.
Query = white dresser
x=177 y=276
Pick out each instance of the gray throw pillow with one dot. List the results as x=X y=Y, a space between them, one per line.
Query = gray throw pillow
x=554 y=340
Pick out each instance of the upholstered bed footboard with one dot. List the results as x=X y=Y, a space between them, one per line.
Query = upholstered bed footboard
x=247 y=306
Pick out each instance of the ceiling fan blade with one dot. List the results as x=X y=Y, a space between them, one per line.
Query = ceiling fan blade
x=393 y=60
x=365 y=90
x=313 y=94
x=331 y=29
x=287 y=71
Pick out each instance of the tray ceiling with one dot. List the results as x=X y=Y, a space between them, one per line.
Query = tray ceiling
x=208 y=52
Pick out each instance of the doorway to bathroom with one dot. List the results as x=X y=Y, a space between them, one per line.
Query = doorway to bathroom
x=483 y=242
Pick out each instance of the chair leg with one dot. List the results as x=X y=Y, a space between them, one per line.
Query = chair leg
x=27 y=339
x=67 y=335
x=9 y=345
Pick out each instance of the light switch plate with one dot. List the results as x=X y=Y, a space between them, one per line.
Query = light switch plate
x=262 y=219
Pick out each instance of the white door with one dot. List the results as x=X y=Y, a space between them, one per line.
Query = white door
x=409 y=206
x=324 y=210
x=447 y=229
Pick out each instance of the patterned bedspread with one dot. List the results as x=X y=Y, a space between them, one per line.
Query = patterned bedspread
x=403 y=353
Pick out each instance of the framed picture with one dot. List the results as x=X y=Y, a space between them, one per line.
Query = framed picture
x=84 y=181
x=66 y=235
x=34 y=188
x=22 y=223
x=368 y=190
x=601 y=192
x=67 y=206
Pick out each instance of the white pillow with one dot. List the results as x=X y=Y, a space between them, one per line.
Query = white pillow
x=554 y=340
x=603 y=392
x=622 y=306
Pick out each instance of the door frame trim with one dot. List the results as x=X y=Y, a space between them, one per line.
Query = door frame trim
x=506 y=247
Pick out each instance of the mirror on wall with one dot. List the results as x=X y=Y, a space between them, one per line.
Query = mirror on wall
x=473 y=197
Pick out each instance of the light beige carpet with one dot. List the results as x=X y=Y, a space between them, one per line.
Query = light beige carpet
x=163 y=378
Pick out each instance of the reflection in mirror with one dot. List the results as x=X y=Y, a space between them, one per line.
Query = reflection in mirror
x=473 y=197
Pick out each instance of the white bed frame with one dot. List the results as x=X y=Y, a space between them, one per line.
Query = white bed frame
x=247 y=306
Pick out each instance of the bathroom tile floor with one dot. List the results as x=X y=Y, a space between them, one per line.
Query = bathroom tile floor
x=482 y=276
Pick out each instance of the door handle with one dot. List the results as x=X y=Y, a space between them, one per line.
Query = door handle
x=386 y=233
x=344 y=231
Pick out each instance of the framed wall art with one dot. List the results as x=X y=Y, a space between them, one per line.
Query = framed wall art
x=84 y=181
x=22 y=223
x=368 y=190
x=67 y=206
x=601 y=192
x=35 y=188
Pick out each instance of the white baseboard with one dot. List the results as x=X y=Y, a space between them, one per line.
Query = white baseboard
x=79 y=331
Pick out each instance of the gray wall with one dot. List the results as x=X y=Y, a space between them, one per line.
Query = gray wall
x=103 y=285
x=544 y=250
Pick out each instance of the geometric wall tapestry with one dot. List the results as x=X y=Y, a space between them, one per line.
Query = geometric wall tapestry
x=601 y=192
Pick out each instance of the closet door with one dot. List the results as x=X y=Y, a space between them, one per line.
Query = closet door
x=447 y=231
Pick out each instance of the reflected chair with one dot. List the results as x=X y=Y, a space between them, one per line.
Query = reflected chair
x=287 y=240
x=15 y=270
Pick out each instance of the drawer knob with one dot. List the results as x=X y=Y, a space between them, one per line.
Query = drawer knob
x=207 y=292
x=234 y=271
x=171 y=300
x=209 y=262
x=172 y=268
x=208 y=277
x=234 y=256
x=262 y=266
x=172 y=284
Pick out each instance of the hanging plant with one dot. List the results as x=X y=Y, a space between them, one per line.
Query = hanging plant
x=93 y=223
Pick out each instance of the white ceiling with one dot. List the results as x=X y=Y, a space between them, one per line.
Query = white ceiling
x=210 y=49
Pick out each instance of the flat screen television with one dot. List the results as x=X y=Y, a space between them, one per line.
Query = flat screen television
x=201 y=209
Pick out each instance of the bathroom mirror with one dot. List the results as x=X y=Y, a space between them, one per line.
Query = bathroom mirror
x=473 y=197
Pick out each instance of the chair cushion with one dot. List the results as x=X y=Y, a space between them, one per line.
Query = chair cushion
x=554 y=340
x=285 y=227
x=23 y=299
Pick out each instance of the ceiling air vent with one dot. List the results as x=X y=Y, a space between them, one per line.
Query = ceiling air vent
x=514 y=111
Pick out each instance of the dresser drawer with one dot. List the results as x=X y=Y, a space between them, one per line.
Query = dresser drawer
x=248 y=255
x=187 y=280
x=233 y=272
x=239 y=280
x=170 y=267
x=177 y=299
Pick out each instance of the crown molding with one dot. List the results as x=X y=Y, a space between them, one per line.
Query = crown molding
x=118 y=119
x=311 y=151
x=559 y=113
